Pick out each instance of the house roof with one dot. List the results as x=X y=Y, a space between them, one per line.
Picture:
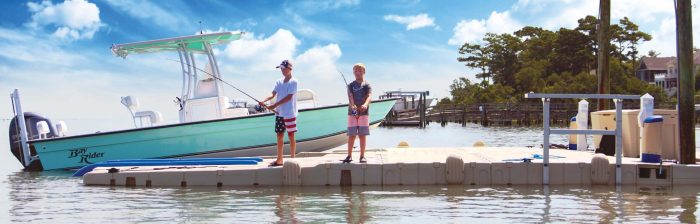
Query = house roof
x=656 y=63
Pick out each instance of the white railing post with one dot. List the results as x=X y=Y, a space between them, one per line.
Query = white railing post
x=19 y=116
x=545 y=145
x=618 y=141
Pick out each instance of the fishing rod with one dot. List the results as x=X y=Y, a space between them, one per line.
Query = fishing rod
x=341 y=74
x=232 y=86
x=354 y=111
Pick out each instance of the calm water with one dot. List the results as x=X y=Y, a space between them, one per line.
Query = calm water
x=56 y=197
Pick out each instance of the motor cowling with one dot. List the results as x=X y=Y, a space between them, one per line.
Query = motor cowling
x=30 y=120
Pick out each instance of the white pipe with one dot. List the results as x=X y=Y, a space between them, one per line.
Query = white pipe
x=195 y=78
x=183 y=100
x=182 y=66
x=214 y=68
x=189 y=76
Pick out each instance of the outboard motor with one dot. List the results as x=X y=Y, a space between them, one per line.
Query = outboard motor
x=31 y=120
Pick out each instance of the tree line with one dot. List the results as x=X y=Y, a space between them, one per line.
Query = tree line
x=534 y=59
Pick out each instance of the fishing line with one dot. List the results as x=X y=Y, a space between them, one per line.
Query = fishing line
x=229 y=84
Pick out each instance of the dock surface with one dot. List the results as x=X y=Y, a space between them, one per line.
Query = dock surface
x=409 y=166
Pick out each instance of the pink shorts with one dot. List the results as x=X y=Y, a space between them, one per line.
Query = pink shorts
x=358 y=125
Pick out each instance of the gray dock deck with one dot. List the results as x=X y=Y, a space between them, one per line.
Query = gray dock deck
x=408 y=166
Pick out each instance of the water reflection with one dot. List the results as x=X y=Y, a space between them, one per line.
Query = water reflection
x=57 y=197
x=286 y=204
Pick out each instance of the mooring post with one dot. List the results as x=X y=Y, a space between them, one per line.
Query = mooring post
x=618 y=141
x=545 y=144
x=686 y=81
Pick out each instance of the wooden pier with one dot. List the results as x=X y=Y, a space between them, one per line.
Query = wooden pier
x=497 y=114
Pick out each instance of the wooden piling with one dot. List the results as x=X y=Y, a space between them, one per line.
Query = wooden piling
x=686 y=84
x=603 y=70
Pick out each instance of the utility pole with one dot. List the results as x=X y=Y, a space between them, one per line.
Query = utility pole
x=603 y=70
x=686 y=81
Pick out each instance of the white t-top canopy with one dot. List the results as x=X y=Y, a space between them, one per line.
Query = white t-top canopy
x=194 y=43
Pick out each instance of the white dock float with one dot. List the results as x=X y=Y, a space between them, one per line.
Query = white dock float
x=408 y=166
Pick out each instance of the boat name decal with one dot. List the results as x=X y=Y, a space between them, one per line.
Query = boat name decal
x=84 y=155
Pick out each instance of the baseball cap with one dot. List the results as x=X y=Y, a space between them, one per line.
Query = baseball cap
x=285 y=64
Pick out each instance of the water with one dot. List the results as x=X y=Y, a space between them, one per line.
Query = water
x=56 y=197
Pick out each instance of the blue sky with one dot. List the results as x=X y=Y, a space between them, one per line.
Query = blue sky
x=56 y=51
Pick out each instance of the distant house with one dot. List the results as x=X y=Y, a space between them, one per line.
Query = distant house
x=650 y=66
x=663 y=71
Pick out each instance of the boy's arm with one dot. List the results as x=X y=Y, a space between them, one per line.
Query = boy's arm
x=280 y=102
x=269 y=98
x=365 y=104
x=351 y=100
x=368 y=100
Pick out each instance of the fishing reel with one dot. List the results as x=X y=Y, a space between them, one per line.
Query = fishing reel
x=259 y=108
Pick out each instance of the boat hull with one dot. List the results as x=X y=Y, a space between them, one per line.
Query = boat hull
x=319 y=129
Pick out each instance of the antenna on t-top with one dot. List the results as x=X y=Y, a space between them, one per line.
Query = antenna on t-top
x=201 y=31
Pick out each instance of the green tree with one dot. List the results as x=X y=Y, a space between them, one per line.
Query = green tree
x=627 y=36
x=475 y=57
x=572 y=52
x=503 y=61
x=539 y=60
x=653 y=53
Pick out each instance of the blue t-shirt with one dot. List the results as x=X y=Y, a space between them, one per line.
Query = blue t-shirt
x=282 y=89
x=359 y=93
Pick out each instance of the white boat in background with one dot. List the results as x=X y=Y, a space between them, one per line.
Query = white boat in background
x=404 y=104
x=409 y=100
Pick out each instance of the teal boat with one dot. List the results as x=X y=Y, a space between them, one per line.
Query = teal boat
x=208 y=128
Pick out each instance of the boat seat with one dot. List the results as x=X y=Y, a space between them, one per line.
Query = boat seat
x=153 y=117
x=132 y=104
x=205 y=88
x=306 y=99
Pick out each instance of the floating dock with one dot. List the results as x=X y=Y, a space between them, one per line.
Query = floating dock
x=409 y=166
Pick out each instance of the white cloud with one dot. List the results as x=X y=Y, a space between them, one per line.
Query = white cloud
x=412 y=22
x=473 y=30
x=319 y=62
x=257 y=54
x=313 y=29
x=23 y=47
x=147 y=10
x=72 y=19
x=252 y=60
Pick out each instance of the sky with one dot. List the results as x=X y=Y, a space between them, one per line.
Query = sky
x=57 y=52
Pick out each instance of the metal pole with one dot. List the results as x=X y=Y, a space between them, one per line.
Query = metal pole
x=545 y=145
x=22 y=128
x=618 y=141
x=194 y=72
x=603 y=70
x=184 y=72
x=188 y=93
x=686 y=81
